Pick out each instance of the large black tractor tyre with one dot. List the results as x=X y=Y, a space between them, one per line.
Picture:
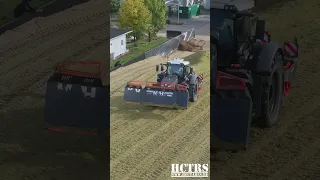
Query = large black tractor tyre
x=193 y=92
x=272 y=94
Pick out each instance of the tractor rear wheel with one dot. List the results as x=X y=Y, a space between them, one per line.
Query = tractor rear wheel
x=193 y=92
x=272 y=95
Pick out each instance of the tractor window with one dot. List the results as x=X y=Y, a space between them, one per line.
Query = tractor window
x=175 y=69
x=226 y=36
x=187 y=69
x=218 y=17
x=221 y=24
x=241 y=31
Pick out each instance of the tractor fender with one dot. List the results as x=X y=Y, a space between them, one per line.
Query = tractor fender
x=266 y=55
x=193 y=79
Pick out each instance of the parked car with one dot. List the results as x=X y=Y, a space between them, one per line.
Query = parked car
x=130 y=39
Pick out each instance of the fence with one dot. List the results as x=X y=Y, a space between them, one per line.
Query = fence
x=164 y=49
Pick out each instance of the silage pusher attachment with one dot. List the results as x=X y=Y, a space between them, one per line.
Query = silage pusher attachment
x=77 y=101
x=162 y=94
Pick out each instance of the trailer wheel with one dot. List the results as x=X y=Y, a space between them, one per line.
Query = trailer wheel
x=272 y=94
x=193 y=92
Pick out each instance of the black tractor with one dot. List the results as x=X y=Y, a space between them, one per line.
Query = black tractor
x=180 y=73
x=176 y=85
x=250 y=74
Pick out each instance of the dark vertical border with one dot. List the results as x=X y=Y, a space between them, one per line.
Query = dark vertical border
x=211 y=93
x=55 y=7
x=213 y=72
x=107 y=69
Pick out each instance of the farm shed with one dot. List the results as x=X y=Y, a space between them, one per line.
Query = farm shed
x=118 y=42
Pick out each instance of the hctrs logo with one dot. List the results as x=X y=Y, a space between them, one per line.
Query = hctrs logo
x=189 y=170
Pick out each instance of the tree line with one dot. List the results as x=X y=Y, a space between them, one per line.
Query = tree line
x=141 y=16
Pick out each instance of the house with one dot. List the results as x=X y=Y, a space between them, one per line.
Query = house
x=118 y=42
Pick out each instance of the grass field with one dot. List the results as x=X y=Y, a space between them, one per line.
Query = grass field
x=7 y=7
x=142 y=46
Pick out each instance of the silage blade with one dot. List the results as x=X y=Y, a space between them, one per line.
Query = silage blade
x=164 y=95
x=132 y=92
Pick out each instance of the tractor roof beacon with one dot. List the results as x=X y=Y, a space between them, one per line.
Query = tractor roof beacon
x=176 y=85
x=250 y=73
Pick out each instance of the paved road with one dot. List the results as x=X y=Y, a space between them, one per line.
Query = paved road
x=200 y=23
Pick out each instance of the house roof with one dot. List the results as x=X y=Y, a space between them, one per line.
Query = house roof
x=114 y=32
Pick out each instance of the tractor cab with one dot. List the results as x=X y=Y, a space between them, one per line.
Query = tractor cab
x=231 y=28
x=175 y=69
x=230 y=17
x=230 y=23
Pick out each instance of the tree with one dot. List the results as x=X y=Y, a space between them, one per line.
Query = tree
x=135 y=16
x=114 y=6
x=159 y=17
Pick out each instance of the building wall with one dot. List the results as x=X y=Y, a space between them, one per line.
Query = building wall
x=116 y=47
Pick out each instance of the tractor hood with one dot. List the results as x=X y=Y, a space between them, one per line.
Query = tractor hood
x=170 y=79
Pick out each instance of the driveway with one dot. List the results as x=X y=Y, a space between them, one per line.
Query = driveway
x=200 y=23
